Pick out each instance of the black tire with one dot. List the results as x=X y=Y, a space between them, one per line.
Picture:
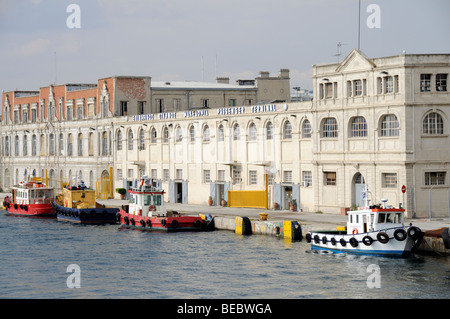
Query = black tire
x=333 y=241
x=316 y=239
x=125 y=219
x=132 y=221
x=383 y=237
x=246 y=226
x=353 y=242
x=174 y=223
x=163 y=222
x=324 y=240
x=343 y=242
x=308 y=237
x=142 y=222
x=149 y=223
x=367 y=240
x=413 y=232
x=400 y=234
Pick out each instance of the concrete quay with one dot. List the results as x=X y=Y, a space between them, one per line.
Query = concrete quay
x=225 y=216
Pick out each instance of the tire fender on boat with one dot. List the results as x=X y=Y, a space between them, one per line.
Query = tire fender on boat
x=125 y=219
x=383 y=237
x=149 y=223
x=367 y=240
x=353 y=242
x=400 y=234
x=342 y=242
x=333 y=241
x=163 y=222
x=308 y=237
x=174 y=223
x=413 y=232
x=324 y=240
x=142 y=222
x=197 y=224
x=132 y=221
x=316 y=239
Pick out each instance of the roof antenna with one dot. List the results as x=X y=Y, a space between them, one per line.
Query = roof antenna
x=338 y=54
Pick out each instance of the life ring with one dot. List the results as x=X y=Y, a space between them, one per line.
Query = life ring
x=355 y=231
x=400 y=234
x=308 y=237
x=333 y=241
x=367 y=240
x=174 y=223
x=324 y=240
x=383 y=237
x=142 y=222
x=152 y=208
x=149 y=223
x=354 y=242
x=163 y=222
x=342 y=242
x=413 y=232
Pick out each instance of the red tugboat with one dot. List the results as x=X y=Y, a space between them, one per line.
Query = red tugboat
x=30 y=198
x=146 y=210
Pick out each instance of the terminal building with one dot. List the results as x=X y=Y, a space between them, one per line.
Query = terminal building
x=375 y=127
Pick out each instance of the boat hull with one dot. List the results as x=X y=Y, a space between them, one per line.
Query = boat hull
x=395 y=242
x=31 y=210
x=169 y=224
x=97 y=216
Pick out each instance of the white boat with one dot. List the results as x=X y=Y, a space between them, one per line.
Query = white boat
x=372 y=230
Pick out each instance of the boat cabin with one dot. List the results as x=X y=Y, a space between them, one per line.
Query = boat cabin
x=147 y=200
x=32 y=192
x=79 y=197
x=374 y=218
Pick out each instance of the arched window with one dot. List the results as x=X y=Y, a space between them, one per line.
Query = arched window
x=130 y=140
x=206 y=134
x=306 y=129
x=69 y=145
x=91 y=144
x=433 y=124
x=153 y=136
x=166 y=135
x=141 y=140
x=105 y=143
x=220 y=134
x=287 y=130
x=119 y=140
x=269 y=131
x=252 y=132
x=80 y=144
x=236 y=132
x=192 y=133
x=359 y=127
x=33 y=145
x=61 y=144
x=25 y=145
x=330 y=128
x=178 y=134
x=389 y=125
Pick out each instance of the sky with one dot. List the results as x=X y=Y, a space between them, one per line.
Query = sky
x=45 y=41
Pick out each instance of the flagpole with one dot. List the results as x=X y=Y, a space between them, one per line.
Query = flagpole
x=359 y=25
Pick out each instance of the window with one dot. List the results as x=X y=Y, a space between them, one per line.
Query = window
x=221 y=175
x=389 y=125
x=80 y=144
x=141 y=107
x=232 y=102
x=25 y=145
x=105 y=143
x=359 y=127
x=441 y=82
x=236 y=132
x=306 y=129
x=176 y=105
x=433 y=124
x=269 y=131
x=69 y=145
x=192 y=133
x=205 y=103
x=358 y=88
x=425 y=82
x=33 y=146
x=153 y=136
x=252 y=132
x=154 y=173
x=287 y=176
x=33 y=115
x=119 y=140
x=237 y=175
x=130 y=140
x=16 y=145
x=389 y=180
x=178 y=134
x=91 y=144
x=42 y=145
x=287 y=130
x=130 y=173
x=435 y=178
x=179 y=173
x=61 y=144
x=70 y=112
x=206 y=134
x=141 y=140
x=206 y=176
x=166 y=135
x=220 y=134
x=330 y=178
x=330 y=128
x=123 y=108
x=166 y=175
x=307 y=178
x=253 y=177
x=160 y=105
